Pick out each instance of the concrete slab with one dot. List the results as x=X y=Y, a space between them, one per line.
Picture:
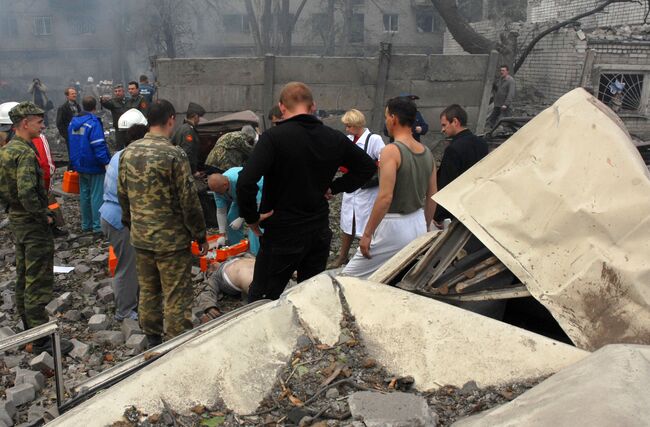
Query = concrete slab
x=608 y=388
x=318 y=305
x=391 y=410
x=413 y=335
x=237 y=363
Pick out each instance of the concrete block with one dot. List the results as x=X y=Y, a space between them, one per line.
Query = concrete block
x=240 y=71
x=25 y=376
x=54 y=307
x=100 y=259
x=21 y=394
x=443 y=94
x=130 y=327
x=7 y=412
x=80 y=350
x=81 y=269
x=391 y=410
x=72 y=315
x=454 y=68
x=408 y=67
x=35 y=413
x=98 y=322
x=6 y=332
x=42 y=361
x=113 y=338
x=105 y=294
x=90 y=286
x=12 y=361
x=347 y=71
x=137 y=342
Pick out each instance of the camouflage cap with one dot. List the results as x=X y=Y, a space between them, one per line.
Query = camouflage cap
x=23 y=110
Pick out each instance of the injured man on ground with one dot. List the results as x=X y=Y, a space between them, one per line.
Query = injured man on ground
x=232 y=277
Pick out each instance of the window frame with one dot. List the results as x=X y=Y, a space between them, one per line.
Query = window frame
x=390 y=25
x=38 y=24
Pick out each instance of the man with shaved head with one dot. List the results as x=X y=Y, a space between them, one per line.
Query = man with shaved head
x=298 y=161
x=228 y=217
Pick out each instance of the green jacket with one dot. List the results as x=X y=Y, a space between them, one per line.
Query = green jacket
x=187 y=138
x=117 y=107
x=138 y=103
x=21 y=182
x=158 y=197
x=231 y=150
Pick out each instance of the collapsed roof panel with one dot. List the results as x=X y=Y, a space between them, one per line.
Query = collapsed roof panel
x=564 y=205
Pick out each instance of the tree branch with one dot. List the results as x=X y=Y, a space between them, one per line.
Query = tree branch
x=562 y=24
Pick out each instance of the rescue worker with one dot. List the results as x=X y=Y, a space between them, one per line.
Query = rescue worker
x=117 y=105
x=136 y=100
x=24 y=196
x=186 y=136
x=161 y=208
x=231 y=150
x=230 y=223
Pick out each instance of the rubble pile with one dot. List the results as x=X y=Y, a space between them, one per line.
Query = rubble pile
x=341 y=385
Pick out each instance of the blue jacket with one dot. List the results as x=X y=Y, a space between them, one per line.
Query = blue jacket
x=88 y=150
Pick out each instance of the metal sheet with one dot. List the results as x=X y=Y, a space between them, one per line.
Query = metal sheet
x=565 y=205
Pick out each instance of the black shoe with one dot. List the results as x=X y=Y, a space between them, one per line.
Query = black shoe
x=153 y=341
x=45 y=344
x=57 y=232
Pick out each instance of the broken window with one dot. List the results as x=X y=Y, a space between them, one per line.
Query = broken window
x=621 y=91
x=424 y=22
x=8 y=26
x=390 y=22
x=356 y=32
x=42 y=25
x=82 y=25
x=236 y=23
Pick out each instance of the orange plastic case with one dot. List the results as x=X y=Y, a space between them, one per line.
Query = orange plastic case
x=70 y=182
x=112 y=261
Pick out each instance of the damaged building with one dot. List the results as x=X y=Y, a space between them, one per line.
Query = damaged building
x=607 y=52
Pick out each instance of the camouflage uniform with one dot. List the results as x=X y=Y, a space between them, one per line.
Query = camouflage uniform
x=187 y=139
x=23 y=194
x=231 y=150
x=161 y=207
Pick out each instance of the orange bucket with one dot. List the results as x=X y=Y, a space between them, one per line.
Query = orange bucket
x=70 y=182
x=112 y=261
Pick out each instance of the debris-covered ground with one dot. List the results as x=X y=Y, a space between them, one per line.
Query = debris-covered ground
x=83 y=305
x=341 y=385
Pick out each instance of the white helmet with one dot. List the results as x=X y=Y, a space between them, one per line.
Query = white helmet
x=130 y=118
x=4 y=112
x=91 y=80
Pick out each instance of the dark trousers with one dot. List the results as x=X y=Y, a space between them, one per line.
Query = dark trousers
x=496 y=114
x=284 y=251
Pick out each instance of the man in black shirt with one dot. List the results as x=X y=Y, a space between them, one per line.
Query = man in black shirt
x=298 y=160
x=465 y=150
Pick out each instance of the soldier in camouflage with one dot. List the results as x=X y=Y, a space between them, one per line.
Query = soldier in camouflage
x=187 y=138
x=23 y=196
x=231 y=150
x=161 y=207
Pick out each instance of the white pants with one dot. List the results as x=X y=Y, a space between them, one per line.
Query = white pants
x=394 y=232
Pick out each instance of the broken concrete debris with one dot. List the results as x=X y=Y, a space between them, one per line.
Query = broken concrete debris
x=391 y=410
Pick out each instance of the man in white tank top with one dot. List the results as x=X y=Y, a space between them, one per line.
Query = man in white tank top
x=403 y=208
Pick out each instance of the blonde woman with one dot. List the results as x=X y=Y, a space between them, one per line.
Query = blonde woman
x=356 y=206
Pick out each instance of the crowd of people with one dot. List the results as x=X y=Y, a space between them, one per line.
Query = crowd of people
x=271 y=188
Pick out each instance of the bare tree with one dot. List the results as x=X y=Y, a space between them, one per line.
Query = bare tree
x=473 y=42
x=167 y=28
x=273 y=28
